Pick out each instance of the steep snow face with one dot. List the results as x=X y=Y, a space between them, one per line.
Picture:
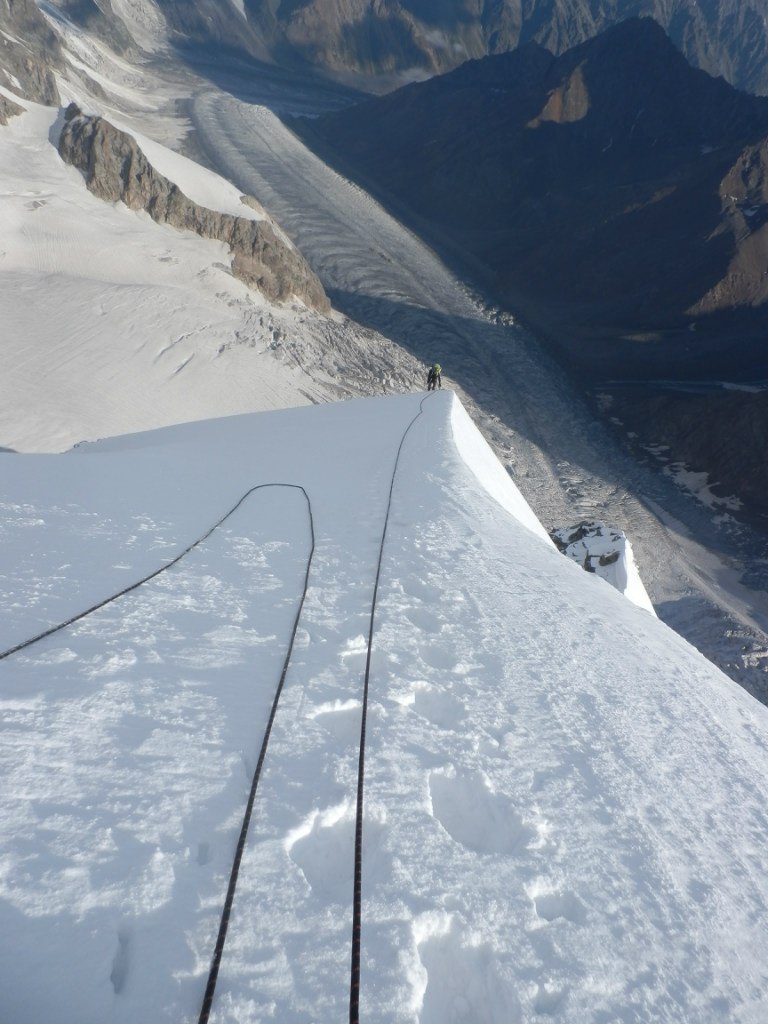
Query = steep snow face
x=564 y=802
x=491 y=475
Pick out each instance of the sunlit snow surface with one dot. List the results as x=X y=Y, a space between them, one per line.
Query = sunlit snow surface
x=112 y=323
x=565 y=804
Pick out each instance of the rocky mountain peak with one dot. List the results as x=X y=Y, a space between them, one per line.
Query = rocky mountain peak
x=640 y=89
x=614 y=193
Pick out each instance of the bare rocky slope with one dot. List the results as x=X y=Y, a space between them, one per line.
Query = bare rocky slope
x=381 y=43
x=718 y=431
x=8 y=109
x=30 y=51
x=115 y=169
x=615 y=196
x=723 y=37
x=372 y=38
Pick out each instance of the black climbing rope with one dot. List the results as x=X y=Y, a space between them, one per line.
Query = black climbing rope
x=145 y=579
x=226 y=912
x=354 y=998
x=357 y=898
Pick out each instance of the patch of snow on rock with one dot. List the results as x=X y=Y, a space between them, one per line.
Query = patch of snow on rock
x=605 y=551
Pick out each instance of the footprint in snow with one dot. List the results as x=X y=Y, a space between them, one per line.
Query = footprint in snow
x=549 y=999
x=323 y=847
x=461 y=978
x=437 y=706
x=475 y=816
x=559 y=904
x=424 y=620
x=340 y=718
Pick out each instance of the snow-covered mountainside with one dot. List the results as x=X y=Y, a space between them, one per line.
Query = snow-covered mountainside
x=563 y=802
x=113 y=323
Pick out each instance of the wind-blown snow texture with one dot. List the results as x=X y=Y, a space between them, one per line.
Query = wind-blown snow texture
x=565 y=804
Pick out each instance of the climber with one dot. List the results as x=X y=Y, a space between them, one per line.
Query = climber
x=435 y=377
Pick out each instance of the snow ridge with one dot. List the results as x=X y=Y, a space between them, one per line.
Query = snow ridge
x=550 y=771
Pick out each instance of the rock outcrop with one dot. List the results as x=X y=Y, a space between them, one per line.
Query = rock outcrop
x=29 y=52
x=116 y=169
x=8 y=109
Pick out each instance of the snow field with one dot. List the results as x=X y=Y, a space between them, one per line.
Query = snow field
x=112 y=323
x=136 y=633
x=564 y=802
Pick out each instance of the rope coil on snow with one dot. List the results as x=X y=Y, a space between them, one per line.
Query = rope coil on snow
x=357 y=898
x=224 y=923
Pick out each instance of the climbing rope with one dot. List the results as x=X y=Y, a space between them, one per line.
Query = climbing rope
x=145 y=579
x=226 y=912
x=354 y=998
x=357 y=898
x=213 y=973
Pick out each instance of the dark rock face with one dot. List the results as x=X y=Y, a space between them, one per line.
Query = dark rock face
x=721 y=432
x=206 y=21
x=617 y=196
x=723 y=37
x=115 y=169
x=30 y=54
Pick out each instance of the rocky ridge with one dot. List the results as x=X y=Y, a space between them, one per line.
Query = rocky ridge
x=8 y=109
x=30 y=52
x=616 y=196
x=605 y=551
x=383 y=43
x=116 y=169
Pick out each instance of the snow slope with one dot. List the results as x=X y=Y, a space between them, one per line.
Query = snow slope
x=564 y=802
x=169 y=336
x=112 y=323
